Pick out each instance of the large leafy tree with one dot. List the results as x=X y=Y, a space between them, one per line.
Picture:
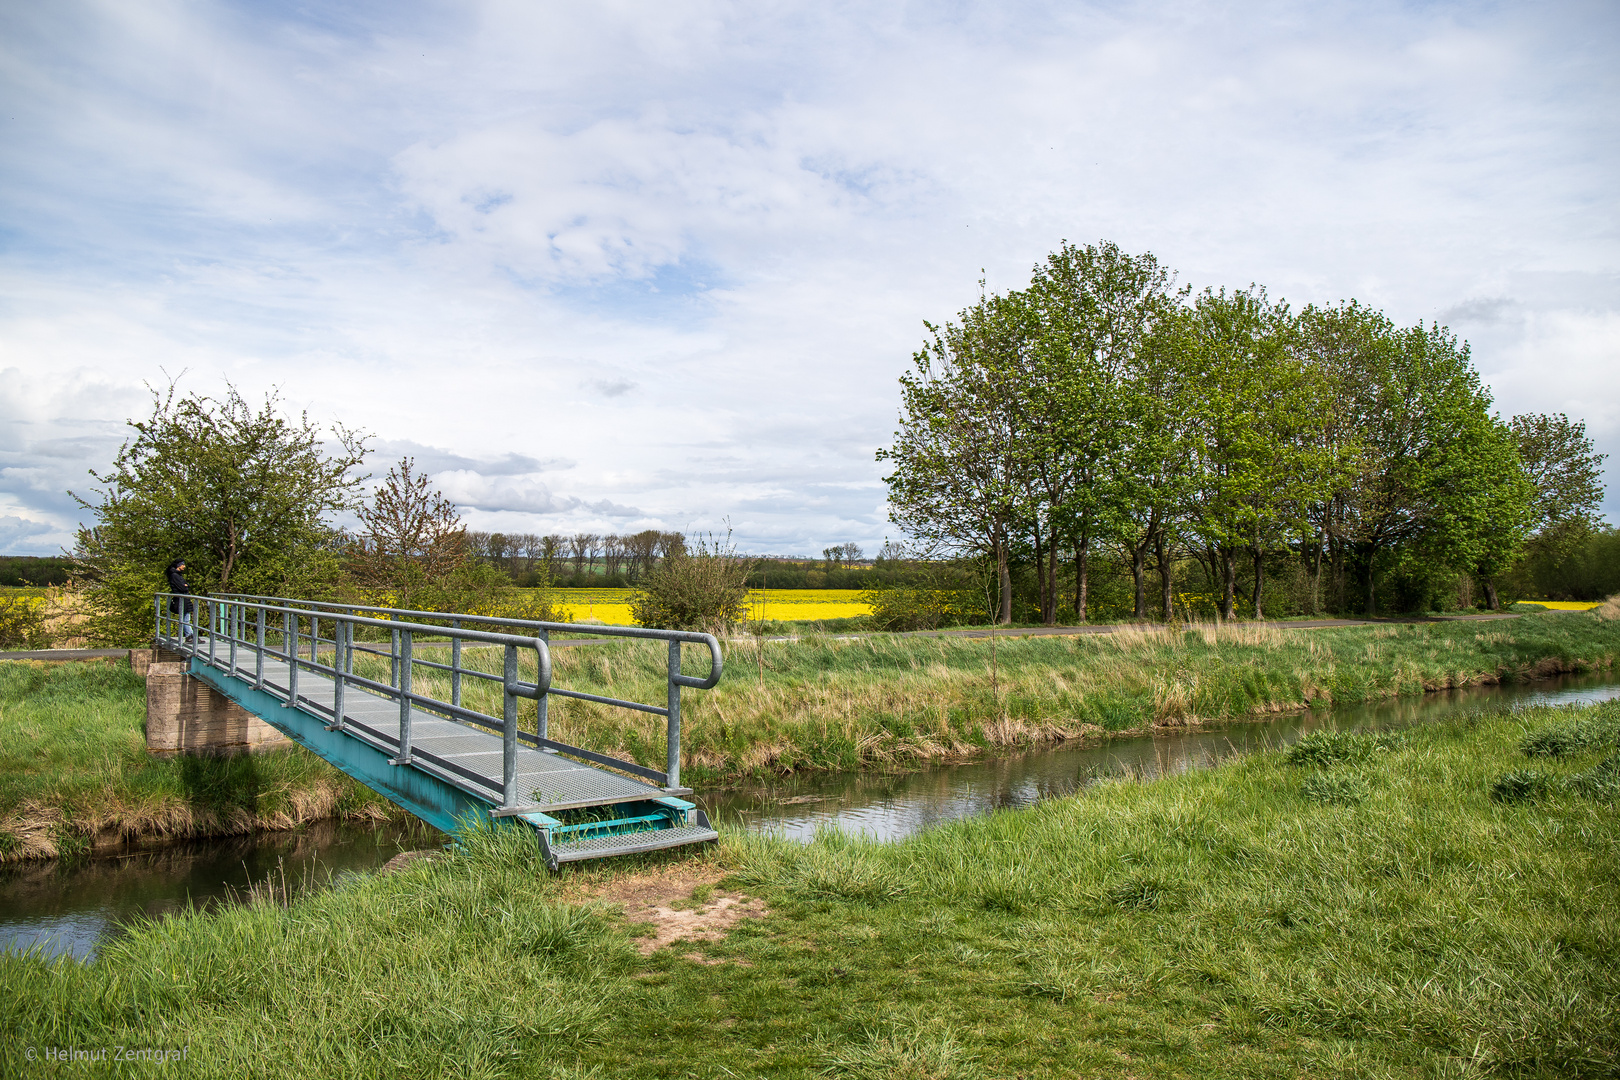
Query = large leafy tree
x=961 y=457
x=1437 y=483
x=1098 y=309
x=1567 y=471
x=1346 y=345
x=1256 y=460
x=245 y=494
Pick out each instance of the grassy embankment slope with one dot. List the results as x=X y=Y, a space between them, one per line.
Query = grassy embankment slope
x=825 y=703
x=74 y=770
x=1352 y=907
x=72 y=763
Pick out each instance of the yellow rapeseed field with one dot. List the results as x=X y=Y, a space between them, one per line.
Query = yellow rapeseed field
x=612 y=606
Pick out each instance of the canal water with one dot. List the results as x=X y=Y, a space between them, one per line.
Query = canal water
x=73 y=906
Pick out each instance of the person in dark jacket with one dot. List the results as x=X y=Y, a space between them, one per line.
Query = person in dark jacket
x=184 y=608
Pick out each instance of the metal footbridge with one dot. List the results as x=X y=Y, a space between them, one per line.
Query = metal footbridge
x=293 y=664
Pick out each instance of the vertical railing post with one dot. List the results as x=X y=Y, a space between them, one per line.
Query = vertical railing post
x=230 y=621
x=542 y=728
x=213 y=629
x=393 y=658
x=339 y=636
x=672 y=750
x=258 y=657
x=402 y=664
x=455 y=664
x=290 y=645
x=509 y=731
x=157 y=625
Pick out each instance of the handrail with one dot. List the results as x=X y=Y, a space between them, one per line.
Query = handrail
x=230 y=616
x=693 y=637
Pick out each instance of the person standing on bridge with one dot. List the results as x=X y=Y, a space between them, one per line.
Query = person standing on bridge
x=177 y=606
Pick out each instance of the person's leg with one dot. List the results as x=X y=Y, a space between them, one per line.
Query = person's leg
x=186 y=631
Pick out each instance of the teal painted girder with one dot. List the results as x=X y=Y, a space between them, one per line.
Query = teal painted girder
x=440 y=804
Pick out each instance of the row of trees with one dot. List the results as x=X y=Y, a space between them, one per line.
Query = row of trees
x=1103 y=408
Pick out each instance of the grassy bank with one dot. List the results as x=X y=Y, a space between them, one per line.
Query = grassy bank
x=825 y=703
x=75 y=775
x=1358 y=907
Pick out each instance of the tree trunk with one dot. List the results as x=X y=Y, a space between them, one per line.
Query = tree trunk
x=1045 y=583
x=1228 y=585
x=1051 y=580
x=1004 y=579
x=1081 y=566
x=1490 y=594
x=1316 y=578
x=1166 y=595
x=1372 y=607
x=1138 y=573
x=1259 y=580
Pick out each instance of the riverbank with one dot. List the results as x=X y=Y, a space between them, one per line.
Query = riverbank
x=1355 y=906
x=884 y=701
x=75 y=778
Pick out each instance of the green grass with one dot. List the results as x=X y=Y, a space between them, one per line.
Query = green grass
x=1223 y=922
x=888 y=700
x=74 y=771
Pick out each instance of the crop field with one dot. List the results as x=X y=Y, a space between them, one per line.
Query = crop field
x=612 y=606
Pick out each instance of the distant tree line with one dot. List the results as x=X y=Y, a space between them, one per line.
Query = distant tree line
x=35 y=570
x=1103 y=414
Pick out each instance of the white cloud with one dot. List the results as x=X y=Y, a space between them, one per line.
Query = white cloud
x=671 y=259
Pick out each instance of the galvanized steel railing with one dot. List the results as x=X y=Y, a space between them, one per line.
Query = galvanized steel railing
x=279 y=627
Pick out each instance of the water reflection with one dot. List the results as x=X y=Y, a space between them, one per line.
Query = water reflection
x=73 y=906
x=888 y=806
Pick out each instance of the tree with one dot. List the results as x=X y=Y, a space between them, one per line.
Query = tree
x=1254 y=424
x=1098 y=308
x=1347 y=345
x=1434 y=482
x=1567 y=471
x=412 y=551
x=960 y=456
x=243 y=494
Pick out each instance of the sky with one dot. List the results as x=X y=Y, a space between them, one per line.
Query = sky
x=613 y=266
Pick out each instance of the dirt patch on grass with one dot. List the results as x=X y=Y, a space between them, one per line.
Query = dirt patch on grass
x=682 y=903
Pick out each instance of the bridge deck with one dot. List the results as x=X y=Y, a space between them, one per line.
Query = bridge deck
x=545 y=780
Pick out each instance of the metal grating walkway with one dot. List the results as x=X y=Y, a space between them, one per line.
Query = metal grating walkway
x=546 y=781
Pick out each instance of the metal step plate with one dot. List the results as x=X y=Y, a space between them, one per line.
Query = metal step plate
x=602 y=847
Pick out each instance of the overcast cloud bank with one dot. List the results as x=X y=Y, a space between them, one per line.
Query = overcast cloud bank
x=660 y=265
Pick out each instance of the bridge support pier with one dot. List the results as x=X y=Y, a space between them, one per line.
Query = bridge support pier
x=185 y=715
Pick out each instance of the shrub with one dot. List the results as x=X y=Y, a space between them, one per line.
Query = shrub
x=22 y=623
x=700 y=589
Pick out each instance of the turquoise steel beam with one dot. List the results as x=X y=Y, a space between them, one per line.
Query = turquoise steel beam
x=440 y=804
